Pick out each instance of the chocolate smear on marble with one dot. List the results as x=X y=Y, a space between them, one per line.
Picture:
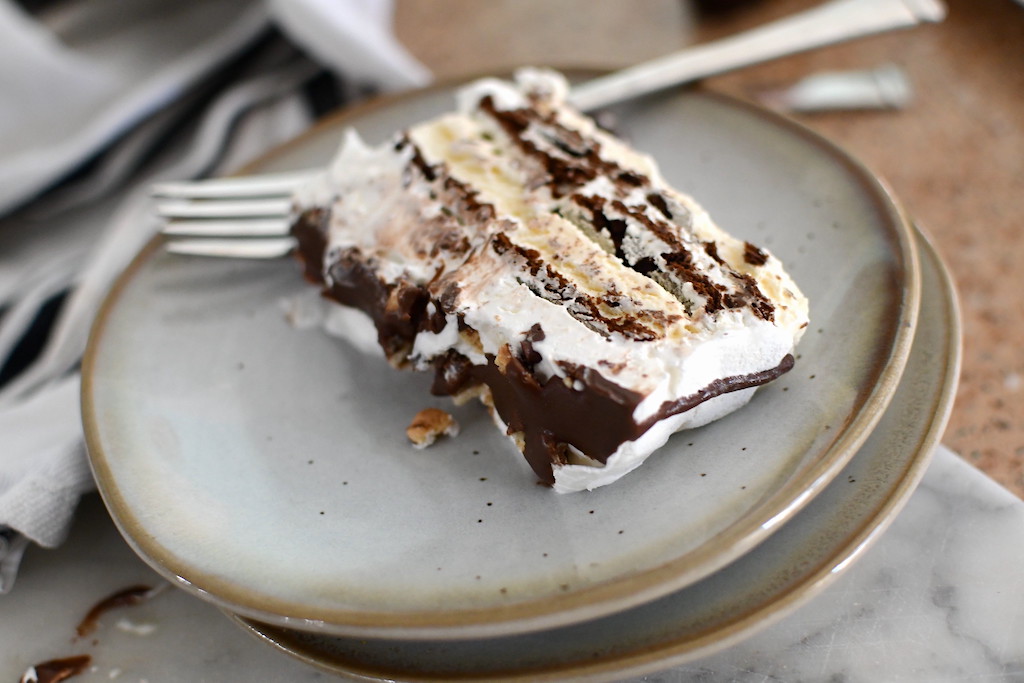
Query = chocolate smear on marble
x=123 y=598
x=55 y=670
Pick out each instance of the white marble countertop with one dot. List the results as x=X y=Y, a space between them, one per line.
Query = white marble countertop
x=940 y=597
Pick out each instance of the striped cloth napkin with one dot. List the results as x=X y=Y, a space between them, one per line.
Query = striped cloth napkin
x=108 y=98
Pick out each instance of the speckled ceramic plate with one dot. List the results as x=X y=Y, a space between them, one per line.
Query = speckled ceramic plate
x=265 y=468
x=756 y=590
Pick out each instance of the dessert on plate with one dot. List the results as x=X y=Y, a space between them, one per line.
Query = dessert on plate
x=530 y=259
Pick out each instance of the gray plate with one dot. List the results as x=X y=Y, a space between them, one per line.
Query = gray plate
x=756 y=590
x=265 y=468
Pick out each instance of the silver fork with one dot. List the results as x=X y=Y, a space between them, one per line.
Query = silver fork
x=247 y=217
x=240 y=217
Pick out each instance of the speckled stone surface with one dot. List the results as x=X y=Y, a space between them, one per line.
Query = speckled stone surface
x=954 y=157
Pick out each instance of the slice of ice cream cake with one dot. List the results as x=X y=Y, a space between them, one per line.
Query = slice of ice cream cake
x=531 y=259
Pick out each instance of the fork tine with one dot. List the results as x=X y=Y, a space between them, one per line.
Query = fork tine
x=226 y=227
x=233 y=248
x=232 y=208
x=237 y=187
x=249 y=214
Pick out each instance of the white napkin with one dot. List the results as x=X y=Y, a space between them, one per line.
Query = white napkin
x=71 y=86
x=44 y=468
x=111 y=106
x=353 y=37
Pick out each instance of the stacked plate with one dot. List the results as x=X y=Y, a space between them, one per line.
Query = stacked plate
x=263 y=466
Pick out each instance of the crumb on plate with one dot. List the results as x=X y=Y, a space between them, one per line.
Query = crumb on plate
x=428 y=425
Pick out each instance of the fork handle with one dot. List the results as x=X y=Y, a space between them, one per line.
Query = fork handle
x=832 y=22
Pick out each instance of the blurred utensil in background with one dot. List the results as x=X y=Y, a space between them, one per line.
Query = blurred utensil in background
x=885 y=87
x=827 y=24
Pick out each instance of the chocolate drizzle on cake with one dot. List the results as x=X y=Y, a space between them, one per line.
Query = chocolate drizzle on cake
x=550 y=285
x=677 y=263
x=570 y=160
x=753 y=255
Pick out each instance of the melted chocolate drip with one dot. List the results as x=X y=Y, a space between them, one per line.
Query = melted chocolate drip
x=557 y=413
x=397 y=309
x=310 y=230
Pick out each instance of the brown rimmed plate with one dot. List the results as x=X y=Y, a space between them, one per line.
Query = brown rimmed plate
x=761 y=587
x=265 y=468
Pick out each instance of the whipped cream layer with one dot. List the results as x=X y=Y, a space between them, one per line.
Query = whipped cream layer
x=530 y=259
